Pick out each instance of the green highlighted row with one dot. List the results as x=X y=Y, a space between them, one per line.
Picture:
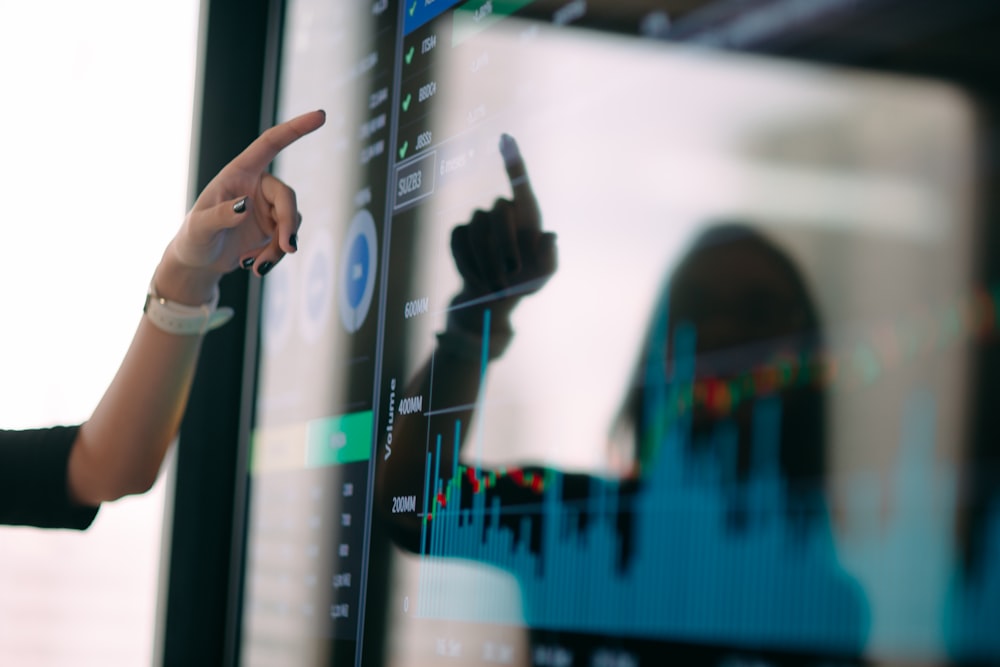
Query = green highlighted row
x=343 y=439
x=320 y=442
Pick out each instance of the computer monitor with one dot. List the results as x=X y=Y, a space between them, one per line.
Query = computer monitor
x=609 y=346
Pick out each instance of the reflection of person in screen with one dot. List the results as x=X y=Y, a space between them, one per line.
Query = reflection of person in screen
x=502 y=255
x=735 y=442
x=57 y=477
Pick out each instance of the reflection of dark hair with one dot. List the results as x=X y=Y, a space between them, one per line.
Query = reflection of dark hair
x=803 y=423
x=981 y=493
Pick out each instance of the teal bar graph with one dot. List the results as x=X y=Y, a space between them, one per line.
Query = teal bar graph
x=662 y=558
x=690 y=576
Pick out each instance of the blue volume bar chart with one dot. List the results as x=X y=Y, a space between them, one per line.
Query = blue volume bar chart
x=687 y=553
x=686 y=573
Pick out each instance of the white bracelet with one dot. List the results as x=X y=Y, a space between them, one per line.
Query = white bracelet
x=176 y=318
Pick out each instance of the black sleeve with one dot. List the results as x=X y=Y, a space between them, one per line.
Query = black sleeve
x=33 y=480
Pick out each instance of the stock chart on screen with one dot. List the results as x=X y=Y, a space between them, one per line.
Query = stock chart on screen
x=610 y=349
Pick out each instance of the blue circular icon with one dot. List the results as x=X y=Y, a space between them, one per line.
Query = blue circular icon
x=358 y=264
x=317 y=287
x=277 y=301
x=316 y=290
x=357 y=271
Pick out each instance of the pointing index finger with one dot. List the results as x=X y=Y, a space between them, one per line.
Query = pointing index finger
x=266 y=147
x=525 y=204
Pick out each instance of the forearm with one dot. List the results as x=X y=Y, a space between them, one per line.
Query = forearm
x=458 y=375
x=245 y=217
x=457 y=384
x=120 y=449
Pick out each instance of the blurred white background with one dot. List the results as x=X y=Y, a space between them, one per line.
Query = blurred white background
x=95 y=131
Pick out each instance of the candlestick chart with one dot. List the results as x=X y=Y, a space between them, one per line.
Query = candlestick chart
x=692 y=551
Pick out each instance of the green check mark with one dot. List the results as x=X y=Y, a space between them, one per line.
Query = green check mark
x=403 y=149
x=406 y=102
x=409 y=55
x=413 y=8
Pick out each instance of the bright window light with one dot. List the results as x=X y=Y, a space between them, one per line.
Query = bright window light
x=95 y=129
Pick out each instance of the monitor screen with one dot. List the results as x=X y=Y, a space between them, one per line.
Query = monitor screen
x=605 y=349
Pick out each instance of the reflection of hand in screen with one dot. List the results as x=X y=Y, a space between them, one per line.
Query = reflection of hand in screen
x=502 y=254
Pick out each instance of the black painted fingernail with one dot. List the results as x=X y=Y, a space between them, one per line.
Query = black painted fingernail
x=265 y=267
x=240 y=206
x=293 y=241
x=247 y=263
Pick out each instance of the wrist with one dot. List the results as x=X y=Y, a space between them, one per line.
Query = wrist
x=467 y=336
x=177 y=282
x=471 y=318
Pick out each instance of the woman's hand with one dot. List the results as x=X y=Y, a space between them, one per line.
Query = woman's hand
x=502 y=254
x=245 y=217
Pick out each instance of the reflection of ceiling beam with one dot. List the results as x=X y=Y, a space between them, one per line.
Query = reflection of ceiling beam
x=955 y=40
x=615 y=15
